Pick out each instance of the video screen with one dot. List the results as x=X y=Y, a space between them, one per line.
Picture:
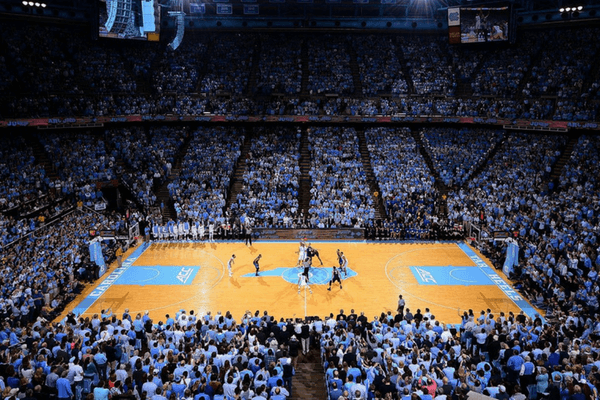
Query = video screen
x=129 y=19
x=484 y=24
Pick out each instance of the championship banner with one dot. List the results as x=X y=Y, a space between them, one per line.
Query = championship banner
x=304 y=1
x=248 y=1
x=276 y=1
x=388 y=1
x=251 y=9
x=360 y=1
x=454 y=17
x=224 y=9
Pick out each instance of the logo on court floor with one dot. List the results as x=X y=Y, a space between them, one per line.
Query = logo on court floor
x=450 y=275
x=425 y=276
x=185 y=274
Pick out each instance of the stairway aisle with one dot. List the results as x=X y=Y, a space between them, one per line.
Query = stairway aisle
x=309 y=381
x=305 y=180
x=162 y=193
x=368 y=167
x=237 y=180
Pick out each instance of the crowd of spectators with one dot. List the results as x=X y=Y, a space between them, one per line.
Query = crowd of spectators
x=430 y=67
x=379 y=75
x=178 y=71
x=329 y=66
x=502 y=71
x=269 y=195
x=23 y=179
x=406 y=183
x=280 y=65
x=80 y=160
x=563 y=65
x=146 y=170
x=457 y=153
x=44 y=271
x=513 y=178
x=228 y=68
x=340 y=193
x=71 y=77
x=200 y=190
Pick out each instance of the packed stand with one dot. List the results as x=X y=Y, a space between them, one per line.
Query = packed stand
x=329 y=66
x=280 y=65
x=513 y=179
x=406 y=183
x=269 y=195
x=178 y=71
x=430 y=66
x=42 y=57
x=183 y=356
x=498 y=355
x=228 y=68
x=103 y=69
x=81 y=160
x=23 y=179
x=503 y=70
x=146 y=170
x=45 y=271
x=564 y=63
x=457 y=153
x=379 y=75
x=340 y=193
x=200 y=190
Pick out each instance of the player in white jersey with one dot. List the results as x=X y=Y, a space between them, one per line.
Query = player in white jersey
x=201 y=231
x=303 y=282
x=344 y=265
x=195 y=231
x=211 y=231
x=180 y=231
x=230 y=264
x=301 y=253
x=174 y=232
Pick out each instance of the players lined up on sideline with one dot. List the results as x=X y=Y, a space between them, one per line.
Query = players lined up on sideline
x=198 y=230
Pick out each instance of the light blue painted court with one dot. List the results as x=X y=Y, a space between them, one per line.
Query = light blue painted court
x=450 y=275
x=318 y=276
x=157 y=275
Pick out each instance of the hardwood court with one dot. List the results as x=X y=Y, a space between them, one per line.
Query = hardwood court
x=168 y=277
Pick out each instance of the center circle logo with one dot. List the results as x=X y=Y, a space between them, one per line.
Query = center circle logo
x=317 y=276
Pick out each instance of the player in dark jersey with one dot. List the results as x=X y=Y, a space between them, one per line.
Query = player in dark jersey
x=312 y=252
x=335 y=277
x=256 y=265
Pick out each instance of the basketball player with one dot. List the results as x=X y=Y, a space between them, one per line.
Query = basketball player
x=335 y=277
x=344 y=264
x=211 y=231
x=195 y=231
x=174 y=231
x=256 y=265
x=201 y=231
x=303 y=282
x=230 y=264
x=312 y=252
x=301 y=253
